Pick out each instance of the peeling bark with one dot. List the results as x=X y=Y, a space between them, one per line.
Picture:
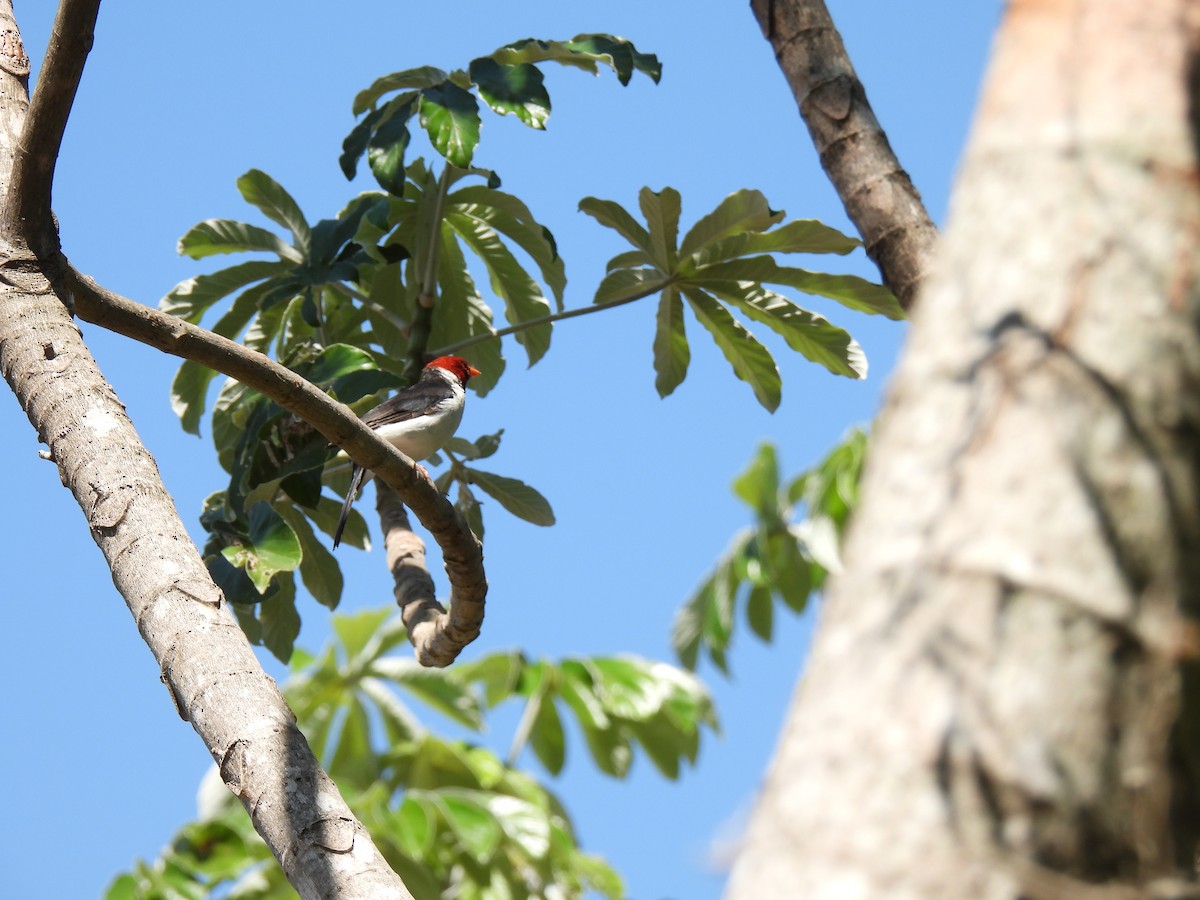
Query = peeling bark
x=999 y=696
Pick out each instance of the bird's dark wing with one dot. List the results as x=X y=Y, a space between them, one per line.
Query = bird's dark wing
x=418 y=400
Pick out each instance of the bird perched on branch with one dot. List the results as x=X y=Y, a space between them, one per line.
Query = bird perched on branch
x=418 y=420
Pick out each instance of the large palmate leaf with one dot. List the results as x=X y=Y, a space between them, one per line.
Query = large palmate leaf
x=721 y=264
x=786 y=554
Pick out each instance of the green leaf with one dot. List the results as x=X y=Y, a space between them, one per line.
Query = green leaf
x=273 y=547
x=498 y=673
x=612 y=215
x=355 y=143
x=189 y=391
x=436 y=687
x=758 y=485
x=462 y=313
x=320 y=572
x=742 y=211
x=214 y=236
x=336 y=361
x=191 y=299
x=418 y=78
x=805 y=332
x=261 y=190
x=545 y=729
x=511 y=217
x=849 y=290
x=625 y=285
x=326 y=515
x=584 y=51
x=760 y=612
x=517 y=90
x=630 y=259
x=386 y=147
x=279 y=619
x=476 y=828
x=661 y=211
x=671 y=352
x=353 y=759
x=608 y=746
x=523 y=299
x=750 y=360
x=688 y=628
x=450 y=116
x=799 y=236
x=524 y=823
x=355 y=630
x=517 y=497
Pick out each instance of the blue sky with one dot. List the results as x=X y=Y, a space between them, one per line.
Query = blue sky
x=177 y=101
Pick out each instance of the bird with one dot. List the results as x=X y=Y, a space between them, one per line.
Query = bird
x=417 y=420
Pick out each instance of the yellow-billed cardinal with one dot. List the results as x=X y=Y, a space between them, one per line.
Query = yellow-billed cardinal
x=418 y=420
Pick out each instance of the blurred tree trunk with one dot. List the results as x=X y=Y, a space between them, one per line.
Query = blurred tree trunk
x=1002 y=701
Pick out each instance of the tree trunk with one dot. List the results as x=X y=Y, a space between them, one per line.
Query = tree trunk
x=209 y=669
x=998 y=701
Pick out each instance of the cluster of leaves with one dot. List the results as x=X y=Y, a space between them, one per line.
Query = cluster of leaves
x=507 y=80
x=334 y=307
x=451 y=818
x=778 y=558
x=356 y=303
x=723 y=263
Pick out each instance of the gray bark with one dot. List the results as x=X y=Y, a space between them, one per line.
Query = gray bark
x=209 y=669
x=998 y=700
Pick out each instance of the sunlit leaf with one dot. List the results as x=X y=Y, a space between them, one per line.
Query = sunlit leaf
x=671 y=352
x=261 y=190
x=190 y=299
x=450 y=116
x=742 y=211
x=661 y=210
x=516 y=496
x=214 y=236
x=421 y=77
x=805 y=332
x=750 y=360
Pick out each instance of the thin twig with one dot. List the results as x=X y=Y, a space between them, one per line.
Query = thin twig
x=543 y=320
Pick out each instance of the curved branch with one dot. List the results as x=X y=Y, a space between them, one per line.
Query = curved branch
x=235 y=708
x=461 y=552
x=879 y=197
x=27 y=206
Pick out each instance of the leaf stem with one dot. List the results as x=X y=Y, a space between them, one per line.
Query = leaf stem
x=422 y=324
x=545 y=320
x=384 y=313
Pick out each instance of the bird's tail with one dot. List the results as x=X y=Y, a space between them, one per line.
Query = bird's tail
x=356 y=481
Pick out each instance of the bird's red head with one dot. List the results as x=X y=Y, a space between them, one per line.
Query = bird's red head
x=456 y=366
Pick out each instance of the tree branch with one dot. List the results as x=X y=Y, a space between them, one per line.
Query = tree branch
x=214 y=679
x=27 y=205
x=879 y=197
x=460 y=550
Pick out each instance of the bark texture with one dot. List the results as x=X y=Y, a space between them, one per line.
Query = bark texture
x=879 y=197
x=999 y=697
x=214 y=679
